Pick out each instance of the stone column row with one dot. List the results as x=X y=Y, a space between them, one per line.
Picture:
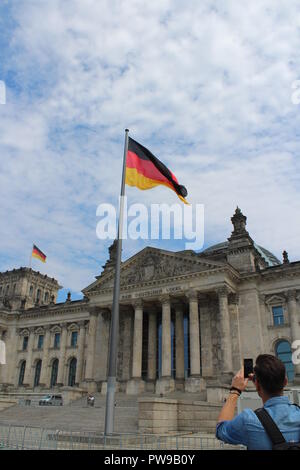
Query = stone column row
x=166 y=341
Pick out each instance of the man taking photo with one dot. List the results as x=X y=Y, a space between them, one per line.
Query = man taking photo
x=246 y=428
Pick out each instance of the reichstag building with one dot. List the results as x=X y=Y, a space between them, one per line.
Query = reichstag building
x=187 y=320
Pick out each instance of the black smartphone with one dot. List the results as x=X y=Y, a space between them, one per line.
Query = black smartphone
x=248 y=367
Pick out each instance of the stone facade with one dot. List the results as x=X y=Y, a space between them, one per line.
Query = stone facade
x=187 y=320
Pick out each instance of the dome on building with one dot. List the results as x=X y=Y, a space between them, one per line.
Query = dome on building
x=222 y=247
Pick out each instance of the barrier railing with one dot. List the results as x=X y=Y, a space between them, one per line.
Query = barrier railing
x=30 y=438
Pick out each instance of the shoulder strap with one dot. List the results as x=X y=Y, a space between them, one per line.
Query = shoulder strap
x=270 y=426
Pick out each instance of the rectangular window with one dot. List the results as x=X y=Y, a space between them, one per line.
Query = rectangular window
x=278 y=316
x=25 y=343
x=57 y=340
x=74 y=339
x=40 y=341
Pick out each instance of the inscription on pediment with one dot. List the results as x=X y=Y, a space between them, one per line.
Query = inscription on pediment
x=155 y=267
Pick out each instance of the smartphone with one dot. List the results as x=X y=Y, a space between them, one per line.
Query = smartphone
x=248 y=367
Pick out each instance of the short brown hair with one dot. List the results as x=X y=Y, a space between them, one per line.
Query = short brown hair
x=270 y=372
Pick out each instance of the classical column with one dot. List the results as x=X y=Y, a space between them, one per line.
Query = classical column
x=28 y=369
x=62 y=355
x=90 y=357
x=136 y=385
x=179 y=334
x=12 y=356
x=294 y=322
x=236 y=347
x=166 y=337
x=80 y=355
x=225 y=331
x=45 y=360
x=152 y=345
x=166 y=383
x=194 y=334
x=137 y=341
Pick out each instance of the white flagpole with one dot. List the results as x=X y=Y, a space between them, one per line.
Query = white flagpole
x=114 y=330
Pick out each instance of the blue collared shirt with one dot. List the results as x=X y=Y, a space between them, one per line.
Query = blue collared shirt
x=246 y=429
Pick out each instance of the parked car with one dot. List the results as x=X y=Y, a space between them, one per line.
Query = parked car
x=51 y=400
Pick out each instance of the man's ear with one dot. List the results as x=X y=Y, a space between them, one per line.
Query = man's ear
x=285 y=381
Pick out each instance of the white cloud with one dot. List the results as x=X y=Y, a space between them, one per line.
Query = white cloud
x=205 y=85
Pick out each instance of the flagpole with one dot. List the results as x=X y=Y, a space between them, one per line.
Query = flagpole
x=114 y=330
x=30 y=259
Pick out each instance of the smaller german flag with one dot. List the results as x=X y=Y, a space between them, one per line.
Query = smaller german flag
x=37 y=253
x=145 y=171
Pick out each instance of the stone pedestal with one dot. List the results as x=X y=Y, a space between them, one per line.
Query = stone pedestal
x=90 y=386
x=165 y=385
x=135 y=387
x=104 y=388
x=194 y=385
x=150 y=386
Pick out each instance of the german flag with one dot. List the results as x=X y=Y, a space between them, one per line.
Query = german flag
x=37 y=253
x=145 y=171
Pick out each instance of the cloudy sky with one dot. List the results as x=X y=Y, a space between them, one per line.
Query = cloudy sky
x=206 y=85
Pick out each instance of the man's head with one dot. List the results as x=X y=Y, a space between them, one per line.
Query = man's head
x=270 y=375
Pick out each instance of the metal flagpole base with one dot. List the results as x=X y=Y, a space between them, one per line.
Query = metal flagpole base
x=110 y=405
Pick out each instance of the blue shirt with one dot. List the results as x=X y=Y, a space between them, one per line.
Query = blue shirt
x=246 y=429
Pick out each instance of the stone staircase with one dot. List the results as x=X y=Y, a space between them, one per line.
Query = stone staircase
x=79 y=417
x=6 y=403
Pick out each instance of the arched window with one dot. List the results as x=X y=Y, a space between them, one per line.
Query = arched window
x=54 y=372
x=7 y=289
x=46 y=298
x=72 y=372
x=14 y=288
x=22 y=372
x=0 y=290
x=37 y=374
x=31 y=291
x=38 y=295
x=284 y=353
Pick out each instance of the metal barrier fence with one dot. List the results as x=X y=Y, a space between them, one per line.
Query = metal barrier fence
x=34 y=438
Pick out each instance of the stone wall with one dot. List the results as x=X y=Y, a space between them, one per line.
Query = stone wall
x=162 y=415
x=158 y=415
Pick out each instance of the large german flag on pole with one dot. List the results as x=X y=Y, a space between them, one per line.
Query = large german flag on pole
x=145 y=171
x=37 y=253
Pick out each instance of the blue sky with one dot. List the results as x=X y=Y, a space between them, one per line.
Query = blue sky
x=205 y=85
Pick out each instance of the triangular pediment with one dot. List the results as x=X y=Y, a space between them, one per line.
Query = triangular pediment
x=152 y=264
x=275 y=299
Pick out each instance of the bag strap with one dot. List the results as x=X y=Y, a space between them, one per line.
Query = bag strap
x=270 y=426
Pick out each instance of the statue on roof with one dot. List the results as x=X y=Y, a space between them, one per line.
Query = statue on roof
x=111 y=262
x=239 y=222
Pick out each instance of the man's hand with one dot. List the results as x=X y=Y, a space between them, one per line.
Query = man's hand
x=239 y=381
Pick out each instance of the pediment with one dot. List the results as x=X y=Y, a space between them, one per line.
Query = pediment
x=276 y=299
x=152 y=264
